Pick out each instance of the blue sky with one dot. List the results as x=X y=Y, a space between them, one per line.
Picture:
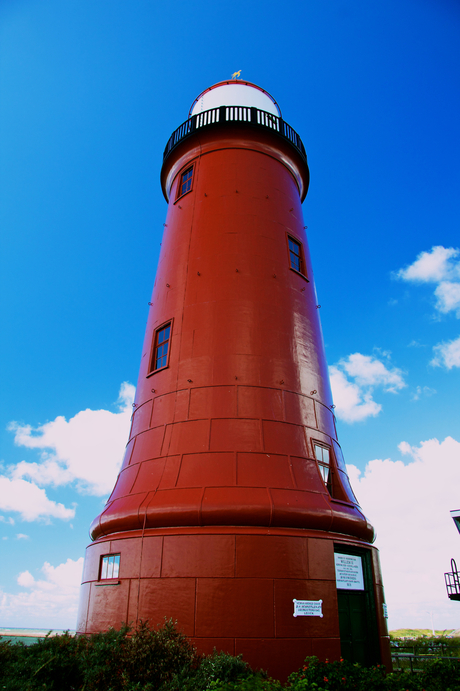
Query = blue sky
x=90 y=93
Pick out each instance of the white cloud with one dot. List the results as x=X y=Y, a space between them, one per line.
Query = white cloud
x=422 y=391
x=351 y=403
x=409 y=504
x=26 y=579
x=353 y=380
x=368 y=371
x=30 y=501
x=447 y=354
x=431 y=267
x=448 y=297
x=53 y=599
x=22 y=536
x=87 y=449
x=48 y=472
x=442 y=266
x=8 y=520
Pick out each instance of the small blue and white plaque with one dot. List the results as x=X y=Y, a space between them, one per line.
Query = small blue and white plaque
x=308 y=608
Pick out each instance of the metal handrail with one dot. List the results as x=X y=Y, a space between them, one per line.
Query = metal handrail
x=452 y=580
x=232 y=114
x=411 y=657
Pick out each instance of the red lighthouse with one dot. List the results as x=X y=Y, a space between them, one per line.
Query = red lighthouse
x=233 y=513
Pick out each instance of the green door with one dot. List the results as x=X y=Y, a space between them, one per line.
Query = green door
x=353 y=624
x=359 y=636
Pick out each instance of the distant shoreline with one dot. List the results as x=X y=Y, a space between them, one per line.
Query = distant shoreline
x=32 y=633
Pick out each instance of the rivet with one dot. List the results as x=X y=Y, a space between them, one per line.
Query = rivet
x=312 y=393
x=150 y=303
x=152 y=390
x=274 y=275
x=282 y=381
x=165 y=225
x=198 y=273
x=189 y=381
x=205 y=194
x=302 y=289
x=332 y=406
x=168 y=286
x=292 y=209
x=236 y=191
x=318 y=306
x=236 y=377
x=237 y=271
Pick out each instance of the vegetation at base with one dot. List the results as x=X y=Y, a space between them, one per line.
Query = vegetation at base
x=438 y=675
x=145 y=659
x=127 y=660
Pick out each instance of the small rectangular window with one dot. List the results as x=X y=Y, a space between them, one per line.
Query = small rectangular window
x=295 y=254
x=185 y=183
x=323 y=457
x=110 y=566
x=296 y=258
x=161 y=347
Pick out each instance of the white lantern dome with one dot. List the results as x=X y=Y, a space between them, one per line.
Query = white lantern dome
x=235 y=93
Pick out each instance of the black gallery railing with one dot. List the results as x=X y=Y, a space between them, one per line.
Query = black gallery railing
x=453 y=582
x=227 y=114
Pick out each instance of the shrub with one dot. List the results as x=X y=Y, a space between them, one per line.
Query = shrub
x=126 y=660
x=149 y=658
x=217 y=667
x=256 y=681
x=441 y=675
x=340 y=674
x=53 y=663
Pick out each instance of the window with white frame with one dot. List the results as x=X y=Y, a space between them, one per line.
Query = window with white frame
x=110 y=566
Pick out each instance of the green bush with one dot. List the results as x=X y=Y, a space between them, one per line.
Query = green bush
x=126 y=660
x=441 y=675
x=438 y=675
x=254 y=682
x=219 y=667
x=147 y=659
x=53 y=663
x=340 y=674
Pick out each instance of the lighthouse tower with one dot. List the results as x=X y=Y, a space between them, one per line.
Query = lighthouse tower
x=233 y=513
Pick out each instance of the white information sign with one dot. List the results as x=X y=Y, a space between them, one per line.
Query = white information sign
x=348 y=572
x=308 y=608
x=385 y=611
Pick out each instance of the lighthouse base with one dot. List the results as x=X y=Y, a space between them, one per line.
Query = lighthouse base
x=232 y=588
